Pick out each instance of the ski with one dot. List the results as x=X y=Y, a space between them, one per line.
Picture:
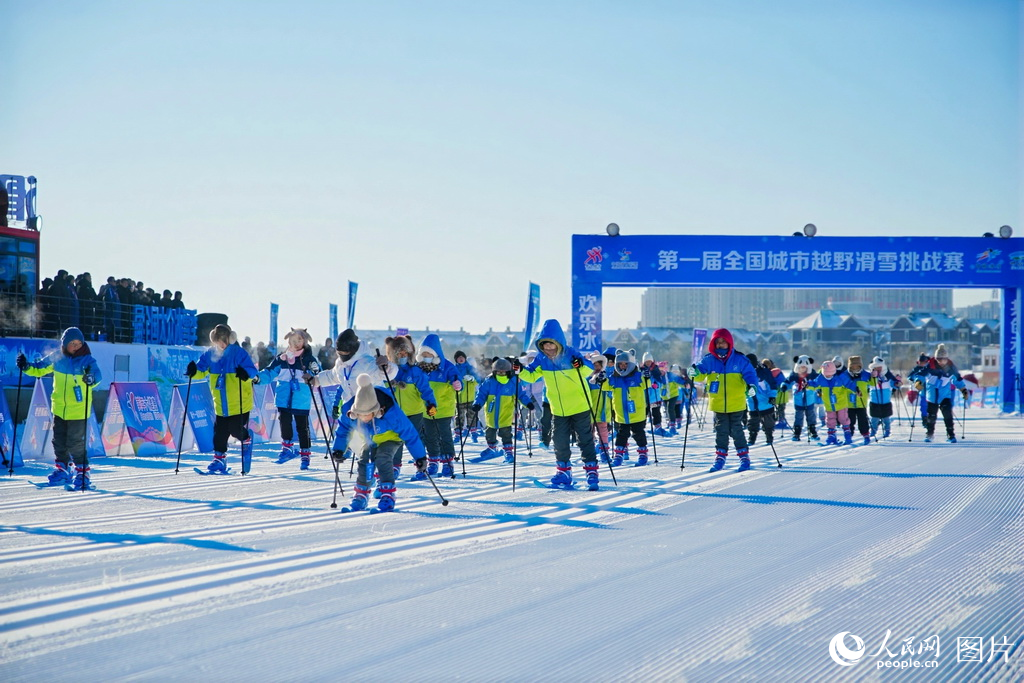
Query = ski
x=556 y=487
x=71 y=487
x=207 y=473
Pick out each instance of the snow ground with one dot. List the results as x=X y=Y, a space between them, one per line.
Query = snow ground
x=671 y=575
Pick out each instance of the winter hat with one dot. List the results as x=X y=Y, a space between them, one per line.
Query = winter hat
x=940 y=352
x=767 y=362
x=838 y=360
x=392 y=345
x=647 y=358
x=501 y=365
x=300 y=333
x=676 y=369
x=753 y=359
x=828 y=368
x=802 y=364
x=854 y=361
x=627 y=358
x=365 y=402
x=597 y=357
x=348 y=343
x=879 y=362
x=221 y=333
x=70 y=335
x=609 y=353
x=458 y=354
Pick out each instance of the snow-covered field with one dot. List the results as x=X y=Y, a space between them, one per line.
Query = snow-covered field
x=671 y=575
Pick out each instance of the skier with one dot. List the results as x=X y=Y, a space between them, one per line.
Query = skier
x=437 y=428
x=599 y=399
x=678 y=398
x=729 y=378
x=937 y=386
x=921 y=369
x=231 y=374
x=412 y=393
x=805 y=398
x=629 y=398
x=880 y=390
x=835 y=389
x=762 y=406
x=496 y=396
x=654 y=379
x=466 y=423
x=292 y=369
x=858 y=410
x=782 y=397
x=75 y=373
x=561 y=367
x=375 y=427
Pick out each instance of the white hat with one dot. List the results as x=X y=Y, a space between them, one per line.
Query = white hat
x=365 y=402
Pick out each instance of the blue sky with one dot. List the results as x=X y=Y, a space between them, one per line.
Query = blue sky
x=441 y=154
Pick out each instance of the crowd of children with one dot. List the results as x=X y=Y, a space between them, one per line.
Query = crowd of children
x=422 y=402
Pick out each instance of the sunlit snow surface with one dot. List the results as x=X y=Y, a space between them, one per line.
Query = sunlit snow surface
x=670 y=575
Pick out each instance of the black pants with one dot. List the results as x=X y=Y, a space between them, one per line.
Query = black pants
x=491 y=435
x=545 y=425
x=731 y=425
x=382 y=456
x=579 y=424
x=301 y=418
x=946 y=406
x=229 y=425
x=69 y=441
x=623 y=431
x=859 y=420
x=656 y=416
x=437 y=437
x=762 y=419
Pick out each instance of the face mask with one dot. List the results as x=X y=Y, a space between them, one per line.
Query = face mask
x=404 y=360
x=502 y=378
x=721 y=353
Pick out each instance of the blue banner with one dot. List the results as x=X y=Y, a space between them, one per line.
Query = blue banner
x=332 y=321
x=532 y=315
x=17 y=195
x=700 y=336
x=36 y=432
x=201 y=415
x=158 y=325
x=167 y=365
x=273 y=326
x=586 y=316
x=34 y=349
x=353 y=287
x=7 y=445
x=135 y=414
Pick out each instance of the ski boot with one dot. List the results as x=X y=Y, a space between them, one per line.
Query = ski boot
x=474 y=434
x=563 y=475
x=359 y=500
x=660 y=431
x=432 y=467
x=620 y=454
x=447 y=469
x=304 y=455
x=847 y=437
x=867 y=439
x=641 y=457
x=490 y=452
x=60 y=475
x=796 y=434
x=592 y=478
x=719 y=461
x=218 y=465
x=831 y=439
x=509 y=454
x=288 y=452
x=951 y=439
x=927 y=438
x=814 y=433
x=81 y=481
x=604 y=454
x=744 y=460
x=387 y=498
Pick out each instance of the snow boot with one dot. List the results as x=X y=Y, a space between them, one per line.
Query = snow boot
x=563 y=477
x=620 y=454
x=288 y=452
x=387 y=498
x=509 y=454
x=719 y=461
x=831 y=440
x=847 y=437
x=81 y=481
x=447 y=470
x=304 y=455
x=641 y=457
x=592 y=478
x=359 y=500
x=218 y=465
x=60 y=475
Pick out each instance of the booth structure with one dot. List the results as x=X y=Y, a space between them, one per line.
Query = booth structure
x=775 y=262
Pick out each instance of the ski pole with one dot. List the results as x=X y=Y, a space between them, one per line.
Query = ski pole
x=463 y=425
x=320 y=419
x=529 y=428
x=444 y=501
x=184 y=416
x=772 y=444
x=686 y=435
x=86 y=437
x=244 y=470
x=17 y=410
x=593 y=417
x=650 y=416
x=515 y=428
x=963 y=428
x=337 y=481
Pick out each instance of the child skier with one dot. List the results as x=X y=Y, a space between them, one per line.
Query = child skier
x=654 y=380
x=437 y=428
x=805 y=398
x=728 y=377
x=412 y=391
x=835 y=388
x=375 y=427
x=599 y=399
x=75 y=373
x=880 y=397
x=466 y=423
x=938 y=384
x=782 y=397
x=858 y=410
x=561 y=367
x=675 y=383
x=762 y=405
x=496 y=396
x=629 y=398
x=231 y=374
x=293 y=397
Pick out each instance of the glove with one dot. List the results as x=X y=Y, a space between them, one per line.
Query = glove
x=241 y=374
x=338 y=456
x=577 y=362
x=421 y=464
x=191 y=370
x=645 y=373
x=475 y=408
x=530 y=406
x=601 y=377
x=656 y=404
x=307 y=378
x=381 y=361
x=431 y=410
x=22 y=362
x=457 y=385
x=918 y=386
x=963 y=392
x=467 y=378
x=313 y=368
x=751 y=391
x=88 y=379
x=694 y=370
x=336 y=411
x=771 y=400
